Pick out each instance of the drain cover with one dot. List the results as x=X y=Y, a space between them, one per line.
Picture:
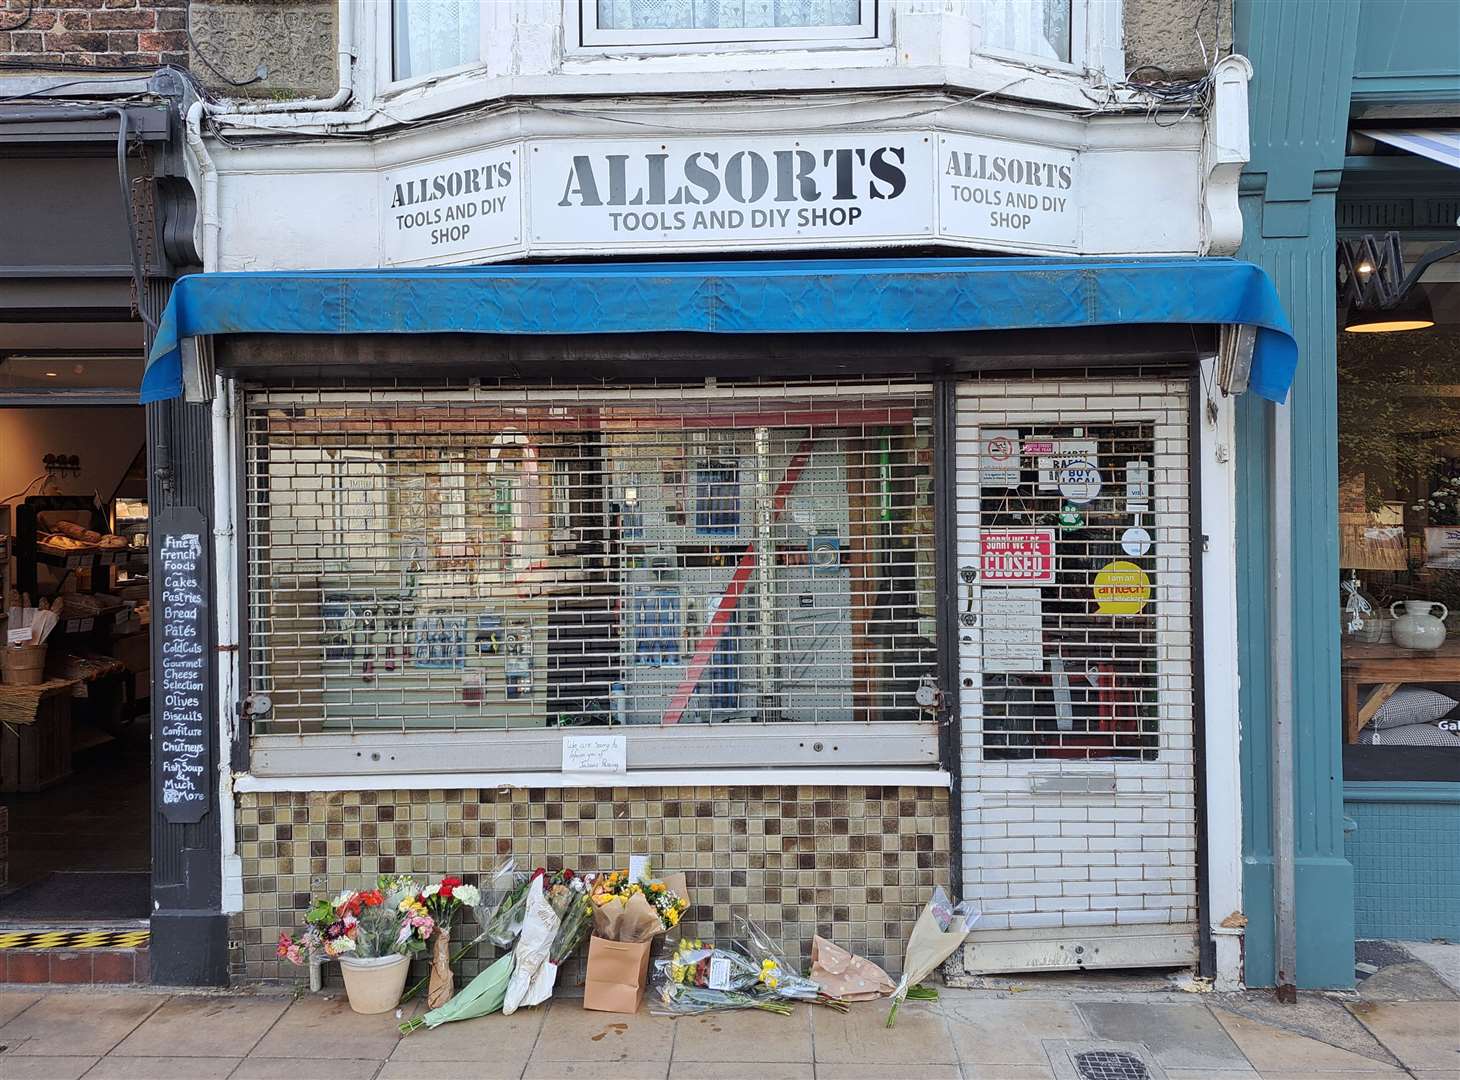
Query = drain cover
x=1111 y=1065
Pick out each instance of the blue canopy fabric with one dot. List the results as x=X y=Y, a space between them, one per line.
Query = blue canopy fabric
x=753 y=297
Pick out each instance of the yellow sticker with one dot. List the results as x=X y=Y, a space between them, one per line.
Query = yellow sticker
x=1121 y=588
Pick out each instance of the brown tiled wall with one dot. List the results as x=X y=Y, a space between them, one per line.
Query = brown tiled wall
x=855 y=864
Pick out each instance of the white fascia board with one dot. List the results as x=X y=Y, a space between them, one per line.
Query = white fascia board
x=920 y=778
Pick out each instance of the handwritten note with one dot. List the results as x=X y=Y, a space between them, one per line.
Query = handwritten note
x=595 y=753
x=183 y=759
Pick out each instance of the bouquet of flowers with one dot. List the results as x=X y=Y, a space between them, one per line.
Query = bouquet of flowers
x=614 y=893
x=575 y=915
x=359 y=924
x=504 y=922
x=778 y=975
x=440 y=904
x=700 y=978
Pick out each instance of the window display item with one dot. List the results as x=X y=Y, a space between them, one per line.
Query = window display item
x=1416 y=625
x=1410 y=735
x=1416 y=706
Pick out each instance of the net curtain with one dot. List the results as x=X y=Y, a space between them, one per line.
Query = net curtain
x=715 y=14
x=435 y=35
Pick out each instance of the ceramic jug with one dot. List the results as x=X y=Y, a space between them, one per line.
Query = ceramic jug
x=1418 y=628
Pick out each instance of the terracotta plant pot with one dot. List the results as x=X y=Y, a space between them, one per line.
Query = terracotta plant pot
x=375 y=985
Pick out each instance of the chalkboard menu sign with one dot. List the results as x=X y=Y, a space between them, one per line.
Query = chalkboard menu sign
x=181 y=669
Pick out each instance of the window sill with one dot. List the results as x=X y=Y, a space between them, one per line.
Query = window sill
x=822 y=777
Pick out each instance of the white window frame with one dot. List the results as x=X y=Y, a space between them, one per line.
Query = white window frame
x=384 y=49
x=580 y=18
x=1079 y=35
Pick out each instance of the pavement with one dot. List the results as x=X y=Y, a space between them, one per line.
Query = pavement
x=1403 y=1021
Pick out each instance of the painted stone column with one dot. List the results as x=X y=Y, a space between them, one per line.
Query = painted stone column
x=1303 y=57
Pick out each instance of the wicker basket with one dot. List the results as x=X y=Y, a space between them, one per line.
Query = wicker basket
x=23 y=665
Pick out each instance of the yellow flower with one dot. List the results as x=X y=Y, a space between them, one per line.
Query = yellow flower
x=771 y=981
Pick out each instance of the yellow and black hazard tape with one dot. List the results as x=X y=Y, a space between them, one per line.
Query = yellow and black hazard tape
x=74 y=939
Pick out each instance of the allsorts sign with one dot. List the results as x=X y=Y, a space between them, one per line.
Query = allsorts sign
x=759 y=192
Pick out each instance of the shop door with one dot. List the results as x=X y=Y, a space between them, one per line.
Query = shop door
x=1074 y=569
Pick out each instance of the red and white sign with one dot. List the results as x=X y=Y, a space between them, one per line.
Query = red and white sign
x=1017 y=555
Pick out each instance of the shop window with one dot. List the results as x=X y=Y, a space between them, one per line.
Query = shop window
x=636 y=556
x=1399 y=543
x=435 y=35
x=687 y=22
x=1044 y=29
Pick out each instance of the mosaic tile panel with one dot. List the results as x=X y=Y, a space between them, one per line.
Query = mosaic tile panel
x=853 y=864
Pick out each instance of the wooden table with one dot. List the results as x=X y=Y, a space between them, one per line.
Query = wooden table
x=1390 y=667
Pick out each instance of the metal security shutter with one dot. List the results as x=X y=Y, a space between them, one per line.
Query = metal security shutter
x=512 y=557
x=1076 y=672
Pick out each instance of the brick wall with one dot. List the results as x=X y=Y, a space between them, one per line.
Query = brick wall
x=94 y=33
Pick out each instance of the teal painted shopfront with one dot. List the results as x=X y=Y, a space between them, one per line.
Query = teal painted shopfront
x=1339 y=206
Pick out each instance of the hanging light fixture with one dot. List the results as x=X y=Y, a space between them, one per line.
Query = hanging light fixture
x=1381 y=297
x=1411 y=312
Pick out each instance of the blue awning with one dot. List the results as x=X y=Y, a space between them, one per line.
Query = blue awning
x=755 y=297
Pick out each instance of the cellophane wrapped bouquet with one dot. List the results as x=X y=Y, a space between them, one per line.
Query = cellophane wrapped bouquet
x=699 y=978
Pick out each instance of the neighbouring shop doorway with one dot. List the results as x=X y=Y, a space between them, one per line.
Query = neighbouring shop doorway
x=75 y=747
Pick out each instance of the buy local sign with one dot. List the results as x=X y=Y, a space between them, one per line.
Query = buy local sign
x=713 y=193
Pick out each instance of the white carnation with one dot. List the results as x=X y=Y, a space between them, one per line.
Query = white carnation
x=468 y=895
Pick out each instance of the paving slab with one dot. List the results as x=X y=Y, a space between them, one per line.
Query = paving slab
x=267 y=1068
x=1421 y=1034
x=77 y=1025
x=1443 y=957
x=1321 y=1017
x=737 y=1070
x=747 y=1035
x=12 y=1005
x=1211 y=1074
x=1010 y=1031
x=850 y=1071
x=486 y=1067
x=163 y=1068
x=1414 y=981
x=326 y=1027
x=45 y=1068
x=920 y=1036
x=581 y=1035
x=1336 y=1074
x=587 y=1070
x=1178 y=1036
x=203 y=1027
x=506 y=1038
x=1008 y=1072
x=1275 y=1050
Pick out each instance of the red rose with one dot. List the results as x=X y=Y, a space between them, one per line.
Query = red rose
x=539 y=872
x=567 y=874
x=450 y=883
x=446 y=891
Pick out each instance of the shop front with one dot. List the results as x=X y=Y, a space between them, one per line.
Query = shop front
x=825 y=582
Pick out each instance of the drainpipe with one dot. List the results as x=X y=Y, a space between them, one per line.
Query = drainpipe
x=1283 y=840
